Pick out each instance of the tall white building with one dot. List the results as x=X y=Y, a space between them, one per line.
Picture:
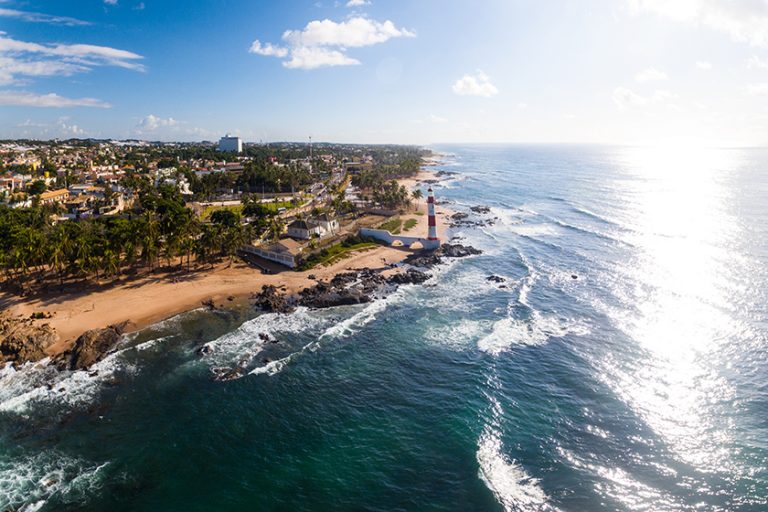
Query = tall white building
x=230 y=144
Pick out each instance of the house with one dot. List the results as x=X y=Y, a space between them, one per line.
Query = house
x=54 y=196
x=303 y=230
x=327 y=224
x=285 y=251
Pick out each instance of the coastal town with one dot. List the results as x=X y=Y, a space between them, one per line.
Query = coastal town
x=279 y=202
x=95 y=234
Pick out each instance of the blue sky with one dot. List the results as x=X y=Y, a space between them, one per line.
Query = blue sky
x=603 y=71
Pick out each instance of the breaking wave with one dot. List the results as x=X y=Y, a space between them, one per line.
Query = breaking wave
x=511 y=331
x=27 y=484
x=513 y=488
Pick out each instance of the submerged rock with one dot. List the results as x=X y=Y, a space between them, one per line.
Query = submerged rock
x=225 y=374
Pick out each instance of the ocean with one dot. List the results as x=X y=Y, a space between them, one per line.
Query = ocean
x=619 y=363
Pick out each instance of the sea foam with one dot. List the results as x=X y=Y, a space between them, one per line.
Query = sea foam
x=27 y=483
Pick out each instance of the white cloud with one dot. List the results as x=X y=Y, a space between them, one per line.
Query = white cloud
x=110 y=2
x=305 y=57
x=167 y=128
x=743 y=20
x=650 y=75
x=30 y=99
x=626 y=99
x=437 y=119
x=151 y=123
x=268 y=49
x=10 y=68
x=323 y=43
x=756 y=62
x=25 y=59
x=758 y=89
x=358 y=3
x=61 y=129
x=354 y=32
x=478 y=84
x=704 y=65
x=36 y=17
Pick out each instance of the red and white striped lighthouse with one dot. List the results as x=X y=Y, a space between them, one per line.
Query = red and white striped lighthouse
x=432 y=233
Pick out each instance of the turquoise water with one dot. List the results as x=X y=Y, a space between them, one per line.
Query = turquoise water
x=638 y=385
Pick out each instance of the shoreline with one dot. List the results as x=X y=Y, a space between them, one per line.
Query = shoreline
x=153 y=298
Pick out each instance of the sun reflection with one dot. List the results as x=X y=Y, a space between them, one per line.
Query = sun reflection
x=676 y=205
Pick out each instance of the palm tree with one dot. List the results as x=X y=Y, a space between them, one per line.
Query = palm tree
x=56 y=252
x=275 y=227
x=417 y=194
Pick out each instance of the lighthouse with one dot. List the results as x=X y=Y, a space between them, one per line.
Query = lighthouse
x=432 y=223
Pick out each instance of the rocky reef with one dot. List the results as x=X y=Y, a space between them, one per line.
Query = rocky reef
x=357 y=287
x=22 y=340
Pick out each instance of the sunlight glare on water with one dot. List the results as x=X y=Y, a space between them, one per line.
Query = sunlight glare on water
x=682 y=225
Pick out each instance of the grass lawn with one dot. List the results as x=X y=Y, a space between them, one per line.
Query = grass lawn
x=238 y=208
x=392 y=225
x=273 y=207
x=333 y=254
x=410 y=224
x=276 y=206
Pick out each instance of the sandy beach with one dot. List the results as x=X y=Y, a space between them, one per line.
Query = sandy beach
x=152 y=298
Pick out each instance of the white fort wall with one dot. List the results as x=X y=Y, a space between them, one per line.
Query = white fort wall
x=407 y=241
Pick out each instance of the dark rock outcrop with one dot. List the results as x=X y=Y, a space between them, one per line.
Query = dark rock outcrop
x=430 y=259
x=272 y=301
x=480 y=209
x=91 y=347
x=425 y=260
x=458 y=250
x=411 y=276
x=324 y=295
x=495 y=279
x=21 y=340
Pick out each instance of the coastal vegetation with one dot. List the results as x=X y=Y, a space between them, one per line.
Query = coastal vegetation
x=337 y=251
x=159 y=230
x=392 y=225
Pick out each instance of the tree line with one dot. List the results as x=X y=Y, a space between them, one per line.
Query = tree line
x=159 y=231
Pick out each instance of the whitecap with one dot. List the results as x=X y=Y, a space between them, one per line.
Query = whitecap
x=460 y=335
x=513 y=488
x=510 y=331
x=367 y=315
x=28 y=483
x=244 y=343
x=42 y=384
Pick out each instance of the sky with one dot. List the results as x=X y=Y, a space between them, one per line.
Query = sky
x=651 y=72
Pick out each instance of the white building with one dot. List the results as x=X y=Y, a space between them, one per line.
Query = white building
x=303 y=230
x=230 y=144
x=286 y=252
